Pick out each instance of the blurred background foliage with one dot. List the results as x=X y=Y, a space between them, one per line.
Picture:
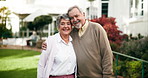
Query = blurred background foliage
x=4 y=18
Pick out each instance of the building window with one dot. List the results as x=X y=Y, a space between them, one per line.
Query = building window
x=142 y=6
x=105 y=9
x=136 y=8
x=30 y=1
x=105 y=0
x=136 y=3
x=91 y=12
x=87 y=9
x=142 y=13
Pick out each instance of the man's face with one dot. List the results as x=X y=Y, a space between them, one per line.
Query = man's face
x=77 y=18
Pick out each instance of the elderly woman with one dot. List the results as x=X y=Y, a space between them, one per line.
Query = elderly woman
x=59 y=59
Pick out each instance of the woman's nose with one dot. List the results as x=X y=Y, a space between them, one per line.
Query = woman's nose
x=65 y=25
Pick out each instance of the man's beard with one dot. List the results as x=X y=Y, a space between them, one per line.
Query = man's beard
x=79 y=25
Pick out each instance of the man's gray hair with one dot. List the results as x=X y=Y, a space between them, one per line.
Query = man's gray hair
x=62 y=16
x=71 y=8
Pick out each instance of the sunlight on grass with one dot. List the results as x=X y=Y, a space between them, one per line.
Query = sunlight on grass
x=18 y=63
x=21 y=63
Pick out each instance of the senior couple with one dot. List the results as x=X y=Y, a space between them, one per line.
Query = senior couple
x=82 y=51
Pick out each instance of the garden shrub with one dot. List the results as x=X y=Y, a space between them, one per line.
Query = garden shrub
x=133 y=69
x=128 y=69
x=138 y=49
x=39 y=43
x=120 y=70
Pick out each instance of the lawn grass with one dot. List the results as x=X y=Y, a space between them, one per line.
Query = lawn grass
x=18 y=63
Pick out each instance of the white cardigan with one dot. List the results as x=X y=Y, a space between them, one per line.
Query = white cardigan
x=47 y=58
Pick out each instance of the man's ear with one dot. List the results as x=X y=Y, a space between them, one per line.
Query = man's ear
x=83 y=14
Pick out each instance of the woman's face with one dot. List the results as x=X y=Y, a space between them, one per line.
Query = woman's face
x=65 y=27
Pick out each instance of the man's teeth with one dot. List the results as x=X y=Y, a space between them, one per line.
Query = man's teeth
x=76 y=21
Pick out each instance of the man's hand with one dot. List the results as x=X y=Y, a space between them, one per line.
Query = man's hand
x=44 y=46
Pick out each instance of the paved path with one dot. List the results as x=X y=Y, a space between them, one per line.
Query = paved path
x=17 y=43
x=19 y=47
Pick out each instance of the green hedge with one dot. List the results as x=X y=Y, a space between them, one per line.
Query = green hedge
x=128 y=69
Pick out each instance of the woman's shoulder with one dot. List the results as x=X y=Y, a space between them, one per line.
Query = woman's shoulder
x=52 y=38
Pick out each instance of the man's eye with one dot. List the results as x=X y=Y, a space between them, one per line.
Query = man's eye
x=71 y=17
x=76 y=16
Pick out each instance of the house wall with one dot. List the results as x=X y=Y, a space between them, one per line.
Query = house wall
x=139 y=24
x=137 y=27
x=120 y=9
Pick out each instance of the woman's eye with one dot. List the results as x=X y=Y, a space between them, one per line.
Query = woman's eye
x=68 y=24
x=62 y=23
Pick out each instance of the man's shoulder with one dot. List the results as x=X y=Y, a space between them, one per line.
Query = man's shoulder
x=95 y=25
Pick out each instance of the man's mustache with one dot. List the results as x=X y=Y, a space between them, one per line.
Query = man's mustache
x=75 y=22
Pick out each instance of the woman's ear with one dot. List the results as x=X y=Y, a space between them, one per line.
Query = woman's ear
x=58 y=28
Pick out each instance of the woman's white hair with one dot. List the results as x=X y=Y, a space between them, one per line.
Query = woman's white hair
x=62 y=16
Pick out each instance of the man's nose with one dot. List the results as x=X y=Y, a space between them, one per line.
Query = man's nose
x=75 y=19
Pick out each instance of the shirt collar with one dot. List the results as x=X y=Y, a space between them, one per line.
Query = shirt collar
x=60 y=39
x=84 y=27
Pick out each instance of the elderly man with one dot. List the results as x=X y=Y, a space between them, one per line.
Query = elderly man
x=93 y=52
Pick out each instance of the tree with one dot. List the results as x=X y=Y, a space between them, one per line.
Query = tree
x=111 y=28
x=39 y=23
x=30 y=25
x=4 y=32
